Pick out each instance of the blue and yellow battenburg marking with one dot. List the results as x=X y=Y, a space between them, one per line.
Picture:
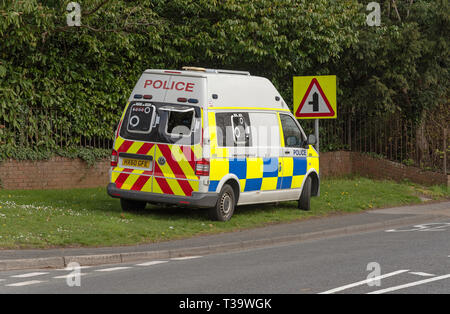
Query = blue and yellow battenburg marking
x=260 y=174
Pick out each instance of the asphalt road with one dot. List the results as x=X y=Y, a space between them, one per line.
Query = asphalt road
x=414 y=259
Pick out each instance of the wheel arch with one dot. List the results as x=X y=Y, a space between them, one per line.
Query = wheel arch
x=315 y=183
x=233 y=181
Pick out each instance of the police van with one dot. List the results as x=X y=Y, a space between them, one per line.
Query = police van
x=210 y=138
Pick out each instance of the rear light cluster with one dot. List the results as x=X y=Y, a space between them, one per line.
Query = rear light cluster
x=114 y=158
x=202 y=167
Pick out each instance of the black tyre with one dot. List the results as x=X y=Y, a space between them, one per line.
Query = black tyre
x=224 y=208
x=132 y=205
x=304 y=203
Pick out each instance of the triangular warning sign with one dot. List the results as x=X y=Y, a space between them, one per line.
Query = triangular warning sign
x=314 y=103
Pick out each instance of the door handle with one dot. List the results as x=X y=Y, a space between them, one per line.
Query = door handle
x=279 y=167
x=287 y=152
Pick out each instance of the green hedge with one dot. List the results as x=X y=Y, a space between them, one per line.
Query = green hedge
x=83 y=75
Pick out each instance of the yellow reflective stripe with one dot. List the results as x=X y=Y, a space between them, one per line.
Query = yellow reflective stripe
x=165 y=169
x=156 y=188
x=114 y=176
x=242 y=182
x=212 y=131
x=175 y=186
x=198 y=151
x=132 y=178
x=297 y=181
x=194 y=185
x=248 y=108
x=125 y=110
x=269 y=184
x=312 y=163
x=287 y=167
x=281 y=131
x=119 y=141
x=147 y=186
x=254 y=168
x=219 y=168
x=135 y=147
x=182 y=161
x=168 y=175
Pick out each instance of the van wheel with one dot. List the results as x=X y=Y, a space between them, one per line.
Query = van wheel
x=131 y=205
x=304 y=203
x=224 y=208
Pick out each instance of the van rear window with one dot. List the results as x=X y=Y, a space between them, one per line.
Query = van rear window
x=180 y=123
x=162 y=123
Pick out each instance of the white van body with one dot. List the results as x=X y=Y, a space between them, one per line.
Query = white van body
x=185 y=136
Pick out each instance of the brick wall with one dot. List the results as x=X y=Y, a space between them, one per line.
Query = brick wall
x=384 y=169
x=335 y=164
x=65 y=173
x=56 y=173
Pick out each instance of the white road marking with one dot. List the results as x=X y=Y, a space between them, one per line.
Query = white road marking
x=24 y=283
x=412 y=284
x=152 y=263
x=418 y=273
x=72 y=269
x=29 y=275
x=367 y=281
x=184 y=258
x=113 y=269
x=69 y=276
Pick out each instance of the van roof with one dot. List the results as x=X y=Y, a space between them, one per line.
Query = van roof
x=197 y=71
x=236 y=89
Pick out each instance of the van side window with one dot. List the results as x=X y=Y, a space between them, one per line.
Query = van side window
x=233 y=129
x=265 y=130
x=292 y=134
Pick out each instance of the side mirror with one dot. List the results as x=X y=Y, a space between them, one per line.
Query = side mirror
x=311 y=139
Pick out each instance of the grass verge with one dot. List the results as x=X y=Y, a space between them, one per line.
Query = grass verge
x=88 y=217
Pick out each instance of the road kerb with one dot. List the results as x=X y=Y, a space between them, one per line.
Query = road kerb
x=140 y=256
x=201 y=250
x=225 y=247
x=32 y=263
x=92 y=260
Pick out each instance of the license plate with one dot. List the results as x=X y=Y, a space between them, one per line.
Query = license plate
x=127 y=162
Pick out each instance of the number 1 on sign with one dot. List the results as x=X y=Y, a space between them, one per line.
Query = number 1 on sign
x=315 y=102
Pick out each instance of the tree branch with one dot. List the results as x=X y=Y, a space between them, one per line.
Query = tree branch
x=95 y=9
x=410 y=4
x=396 y=10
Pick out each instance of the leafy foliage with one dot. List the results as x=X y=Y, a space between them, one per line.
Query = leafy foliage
x=84 y=74
x=401 y=66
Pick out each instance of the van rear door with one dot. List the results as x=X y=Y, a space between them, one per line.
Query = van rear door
x=174 y=171
x=160 y=136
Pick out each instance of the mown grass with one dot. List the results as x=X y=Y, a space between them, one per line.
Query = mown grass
x=89 y=217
